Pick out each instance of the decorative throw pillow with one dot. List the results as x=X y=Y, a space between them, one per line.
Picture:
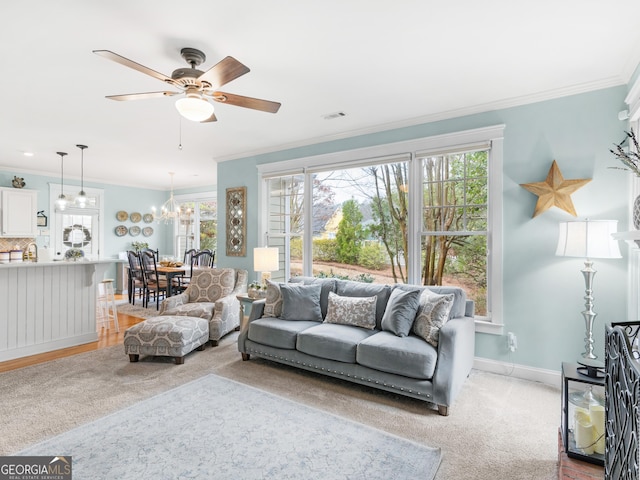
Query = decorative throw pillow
x=301 y=302
x=354 y=311
x=273 y=302
x=432 y=315
x=401 y=311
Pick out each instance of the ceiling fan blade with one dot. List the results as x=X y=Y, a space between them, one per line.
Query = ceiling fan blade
x=247 y=102
x=223 y=72
x=142 y=96
x=212 y=118
x=131 y=64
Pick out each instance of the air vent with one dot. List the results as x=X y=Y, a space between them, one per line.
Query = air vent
x=331 y=116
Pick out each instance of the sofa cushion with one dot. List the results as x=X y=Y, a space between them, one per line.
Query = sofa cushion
x=407 y=356
x=349 y=288
x=459 y=307
x=197 y=309
x=433 y=313
x=355 y=311
x=328 y=285
x=401 y=311
x=211 y=284
x=331 y=341
x=273 y=301
x=301 y=302
x=276 y=332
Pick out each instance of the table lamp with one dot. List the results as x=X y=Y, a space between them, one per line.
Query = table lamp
x=588 y=239
x=266 y=260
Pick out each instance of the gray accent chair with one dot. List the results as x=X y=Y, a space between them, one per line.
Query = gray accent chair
x=211 y=295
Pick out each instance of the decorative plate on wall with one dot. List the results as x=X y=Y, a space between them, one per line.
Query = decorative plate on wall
x=147 y=218
x=134 y=231
x=122 y=216
x=135 y=217
x=121 y=230
x=147 y=231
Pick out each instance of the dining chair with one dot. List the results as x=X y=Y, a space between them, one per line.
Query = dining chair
x=153 y=283
x=181 y=282
x=204 y=258
x=135 y=280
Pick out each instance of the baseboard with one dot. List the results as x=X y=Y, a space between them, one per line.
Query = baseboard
x=548 y=377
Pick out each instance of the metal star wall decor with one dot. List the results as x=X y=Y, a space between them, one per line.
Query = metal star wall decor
x=555 y=191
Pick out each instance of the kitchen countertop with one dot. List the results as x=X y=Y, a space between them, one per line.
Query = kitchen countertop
x=56 y=263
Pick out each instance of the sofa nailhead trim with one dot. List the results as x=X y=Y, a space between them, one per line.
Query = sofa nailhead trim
x=258 y=352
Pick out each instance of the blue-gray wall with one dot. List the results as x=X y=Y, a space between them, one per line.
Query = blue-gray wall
x=543 y=294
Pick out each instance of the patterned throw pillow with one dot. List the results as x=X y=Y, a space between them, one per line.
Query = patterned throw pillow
x=273 y=302
x=354 y=311
x=432 y=315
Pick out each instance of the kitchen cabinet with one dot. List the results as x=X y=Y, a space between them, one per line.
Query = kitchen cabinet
x=19 y=211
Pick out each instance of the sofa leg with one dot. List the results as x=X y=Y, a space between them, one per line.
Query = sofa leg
x=179 y=360
x=245 y=357
x=237 y=329
x=443 y=410
x=133 y=357
x=201 y=347
x=214 y=343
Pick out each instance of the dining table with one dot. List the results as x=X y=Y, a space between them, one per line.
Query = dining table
x=170 y=273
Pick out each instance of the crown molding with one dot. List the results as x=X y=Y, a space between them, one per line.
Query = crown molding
x=609 y=82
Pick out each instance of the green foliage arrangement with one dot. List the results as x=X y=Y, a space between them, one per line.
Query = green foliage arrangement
x=137 y=246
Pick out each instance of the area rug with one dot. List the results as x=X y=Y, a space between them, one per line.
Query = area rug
x=138 y=310
x=217 y=428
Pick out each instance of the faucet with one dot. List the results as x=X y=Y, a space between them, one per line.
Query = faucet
x=30 y=253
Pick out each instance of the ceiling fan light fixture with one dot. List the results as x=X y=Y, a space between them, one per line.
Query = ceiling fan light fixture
x=194 y=108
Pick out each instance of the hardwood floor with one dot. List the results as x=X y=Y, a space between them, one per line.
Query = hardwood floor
x=106 y=338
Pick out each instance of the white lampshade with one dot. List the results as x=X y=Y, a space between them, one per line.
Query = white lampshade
x=588 y=239
x=195 y=109
x=265 y=259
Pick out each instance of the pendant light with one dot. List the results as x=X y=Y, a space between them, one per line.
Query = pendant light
x=61 y=201
x=81 y=199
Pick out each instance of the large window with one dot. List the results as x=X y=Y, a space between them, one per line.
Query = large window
x=419 y=212
x=198 y=225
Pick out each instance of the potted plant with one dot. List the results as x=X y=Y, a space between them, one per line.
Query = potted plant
x=256 y=290
x=138 y=246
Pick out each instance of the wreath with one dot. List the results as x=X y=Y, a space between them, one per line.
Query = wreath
x=70 y=239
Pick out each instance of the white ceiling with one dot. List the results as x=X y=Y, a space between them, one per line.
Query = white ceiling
x=384 y=63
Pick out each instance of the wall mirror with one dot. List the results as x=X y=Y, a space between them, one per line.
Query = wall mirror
x=236 y=221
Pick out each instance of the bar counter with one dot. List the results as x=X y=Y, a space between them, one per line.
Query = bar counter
x=46 y=306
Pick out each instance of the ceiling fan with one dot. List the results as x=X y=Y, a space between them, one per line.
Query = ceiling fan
x=196 y=85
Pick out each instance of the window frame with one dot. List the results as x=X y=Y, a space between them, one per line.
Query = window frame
x=494 y=135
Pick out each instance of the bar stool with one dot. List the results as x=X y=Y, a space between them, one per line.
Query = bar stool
x=106 y=304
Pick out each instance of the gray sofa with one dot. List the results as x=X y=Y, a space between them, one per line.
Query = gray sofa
x=414 y=341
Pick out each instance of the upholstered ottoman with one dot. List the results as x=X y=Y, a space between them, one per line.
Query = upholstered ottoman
x=169 y=336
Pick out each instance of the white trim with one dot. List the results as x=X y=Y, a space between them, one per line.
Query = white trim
x=548 y=377
x=362 y=156
x=436 y=117
x=487 y=326
x=465 y=137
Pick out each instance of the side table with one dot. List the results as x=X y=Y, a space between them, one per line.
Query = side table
x=244 y=311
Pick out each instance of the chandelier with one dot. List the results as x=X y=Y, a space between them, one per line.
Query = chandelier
x=170 y=209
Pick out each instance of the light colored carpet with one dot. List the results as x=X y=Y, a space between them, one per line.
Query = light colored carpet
x=196 y=431
x=499 y=428
x=137 y=310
